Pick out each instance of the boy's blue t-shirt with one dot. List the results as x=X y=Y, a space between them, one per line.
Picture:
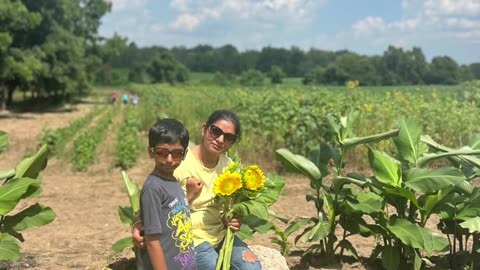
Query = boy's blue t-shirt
x=164 y=210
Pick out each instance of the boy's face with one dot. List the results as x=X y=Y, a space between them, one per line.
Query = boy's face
x=167 y=157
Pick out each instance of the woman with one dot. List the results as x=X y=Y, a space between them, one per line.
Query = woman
x=196 y=174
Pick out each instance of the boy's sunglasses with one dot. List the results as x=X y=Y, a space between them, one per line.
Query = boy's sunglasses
x=216 y=132
x=177 y=154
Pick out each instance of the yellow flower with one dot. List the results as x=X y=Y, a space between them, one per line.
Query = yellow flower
x=254 y=178
x=231 y=166
x=227 y=183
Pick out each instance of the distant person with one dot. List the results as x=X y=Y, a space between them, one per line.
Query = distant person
x=114 y=97
x=125 y=99
x=164 y=207
x=135 y=100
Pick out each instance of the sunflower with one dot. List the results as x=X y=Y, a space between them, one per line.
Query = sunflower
x=227 y=183
x=254 y=178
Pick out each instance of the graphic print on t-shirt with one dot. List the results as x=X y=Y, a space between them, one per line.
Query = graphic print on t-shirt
x=179 y=221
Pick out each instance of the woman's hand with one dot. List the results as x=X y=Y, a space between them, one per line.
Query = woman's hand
x=137 y=235
x=234 y=223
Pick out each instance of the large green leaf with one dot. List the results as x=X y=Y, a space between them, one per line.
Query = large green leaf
x=367 y=203
x=433 y=144
x=387 y=170
x=3 y=141
x=351 y=142
x=133 y=192
x=126 y=215
x=431 y=201
x=318 y=232
x=34 y=216
x=31 y=166
x=471 y=210
x=425 y=180
x=251 y=207
x=408 y=141
x=7 y=174
x=462 y=153
x=298 y=164
x=273 y=188
x=13 y=191
x=412 y=235
x=9 y=248
x=404 y=193
x=122 y=244
x=473 y=225
x=391 y=257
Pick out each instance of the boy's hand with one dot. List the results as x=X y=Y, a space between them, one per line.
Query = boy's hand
x=194 y=187
x=137 y=235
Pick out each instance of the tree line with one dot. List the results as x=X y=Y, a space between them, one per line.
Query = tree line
x=396 y=66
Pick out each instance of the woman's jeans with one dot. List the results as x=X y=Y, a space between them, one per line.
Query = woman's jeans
x=207 y=256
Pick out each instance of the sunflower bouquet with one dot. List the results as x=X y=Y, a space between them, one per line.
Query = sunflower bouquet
x=241 y=190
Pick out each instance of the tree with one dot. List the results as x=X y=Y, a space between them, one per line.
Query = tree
x=165 y=68
x=252 y=77
x=18 y=62
x=442 y=70
x=276 y=75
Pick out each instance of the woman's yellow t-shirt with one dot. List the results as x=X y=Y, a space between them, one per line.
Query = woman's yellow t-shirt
x=205 y=212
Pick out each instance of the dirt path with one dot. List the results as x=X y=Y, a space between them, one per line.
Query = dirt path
x=86 y=203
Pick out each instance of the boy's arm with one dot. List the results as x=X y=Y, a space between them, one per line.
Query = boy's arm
x=155 y=252
x=193 y=188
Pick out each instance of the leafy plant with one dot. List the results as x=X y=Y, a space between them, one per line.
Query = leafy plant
x=21 y=183
x=128 y=214
x=400 y=197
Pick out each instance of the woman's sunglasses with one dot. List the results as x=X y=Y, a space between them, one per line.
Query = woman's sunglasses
x=177 y=154
x=216 y=132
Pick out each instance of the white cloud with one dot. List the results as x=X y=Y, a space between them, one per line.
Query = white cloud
x=452 y=7
x=432 y=19
x=186 y=22
x=368 y=26
x=192 y=14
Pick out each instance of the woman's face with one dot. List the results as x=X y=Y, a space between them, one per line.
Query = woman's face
x=219 y=137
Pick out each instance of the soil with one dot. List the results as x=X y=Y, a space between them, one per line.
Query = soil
x=86 y=203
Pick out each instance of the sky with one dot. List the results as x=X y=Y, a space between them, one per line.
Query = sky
x=367 y=27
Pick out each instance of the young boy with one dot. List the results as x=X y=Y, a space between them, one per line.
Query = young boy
x=163 y=206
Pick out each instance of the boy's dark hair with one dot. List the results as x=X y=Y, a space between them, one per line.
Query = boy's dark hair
x=168 y=131
x=227 y=116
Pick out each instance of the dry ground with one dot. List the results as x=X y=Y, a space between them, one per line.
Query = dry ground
x=86 y=203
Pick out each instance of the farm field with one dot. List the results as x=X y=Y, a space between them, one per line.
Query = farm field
x=86 y=202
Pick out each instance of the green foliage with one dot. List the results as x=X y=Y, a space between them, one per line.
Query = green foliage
x=57 y=139
x=85 y=146
x=252 y=77
x=129 y=145
x=19 y=185
x=55 y=55
x=128 y=214
x=276 y=75
x=396 y=184
x=165 y=68
x=3 y=141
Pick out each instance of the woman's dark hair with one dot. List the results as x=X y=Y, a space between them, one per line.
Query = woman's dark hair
x=168 y=131
x=227 y=116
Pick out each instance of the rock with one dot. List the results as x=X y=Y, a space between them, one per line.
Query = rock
x=271 y=259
